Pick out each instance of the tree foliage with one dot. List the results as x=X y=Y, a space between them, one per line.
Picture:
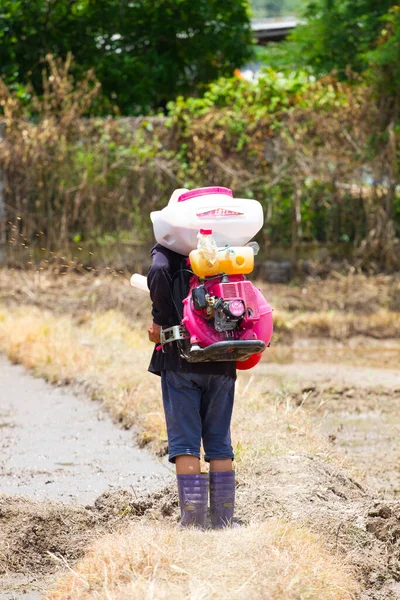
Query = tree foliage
x=144 y=52
x=300 y=147
x=276 y=8
x=320 y=153
x=338 y=34
x=384 y=59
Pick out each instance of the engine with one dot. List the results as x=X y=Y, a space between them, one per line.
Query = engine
x=226 y=318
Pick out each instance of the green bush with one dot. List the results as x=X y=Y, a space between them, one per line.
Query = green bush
x=303 y=148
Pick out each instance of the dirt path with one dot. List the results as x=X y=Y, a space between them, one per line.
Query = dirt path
x=334 y=374
x=357 y=408
x=55 y=445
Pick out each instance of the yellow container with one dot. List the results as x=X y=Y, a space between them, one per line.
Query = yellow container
x=235 y=260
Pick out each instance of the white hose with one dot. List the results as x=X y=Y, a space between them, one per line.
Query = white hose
x=139 y=282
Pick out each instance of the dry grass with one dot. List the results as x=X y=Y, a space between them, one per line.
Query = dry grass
x=382 y=324
x=267 y=422
x=73 y=293
x=272 y=559
x=357 y=352
x=276 y=560
x=109 y=358
x=353 y=293
x=338 y=308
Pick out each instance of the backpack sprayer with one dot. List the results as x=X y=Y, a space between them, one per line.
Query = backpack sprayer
x=225 y=317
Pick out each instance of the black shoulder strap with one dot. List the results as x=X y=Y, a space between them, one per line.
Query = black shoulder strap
x=180 y=288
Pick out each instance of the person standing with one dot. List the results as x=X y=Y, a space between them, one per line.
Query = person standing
x=198 y=402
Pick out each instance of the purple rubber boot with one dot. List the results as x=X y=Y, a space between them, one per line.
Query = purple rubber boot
x=193 y=499
x=222 y=498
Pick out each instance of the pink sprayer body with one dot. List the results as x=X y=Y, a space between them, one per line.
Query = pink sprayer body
x=255 y=325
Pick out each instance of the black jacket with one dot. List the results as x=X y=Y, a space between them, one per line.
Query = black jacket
x=165 y=272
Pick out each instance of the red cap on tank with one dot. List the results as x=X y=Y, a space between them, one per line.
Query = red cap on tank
x=206 y=231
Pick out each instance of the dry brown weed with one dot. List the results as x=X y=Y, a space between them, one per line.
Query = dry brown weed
x=275 y=560
x=274 y=443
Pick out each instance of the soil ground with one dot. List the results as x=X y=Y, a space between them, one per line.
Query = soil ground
x=56 y=446
x=360 y=420
x=351 y=390
x=356 y=407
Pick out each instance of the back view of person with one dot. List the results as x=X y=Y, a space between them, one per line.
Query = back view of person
x=198 y=402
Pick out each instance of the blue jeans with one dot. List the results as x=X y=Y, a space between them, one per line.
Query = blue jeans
x=198 y=406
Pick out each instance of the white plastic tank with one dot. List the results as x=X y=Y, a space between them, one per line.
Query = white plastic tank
x=234 y=221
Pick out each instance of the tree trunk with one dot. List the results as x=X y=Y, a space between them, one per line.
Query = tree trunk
x=297 y=232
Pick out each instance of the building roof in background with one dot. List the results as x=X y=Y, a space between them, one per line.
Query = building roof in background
x=266 y=30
